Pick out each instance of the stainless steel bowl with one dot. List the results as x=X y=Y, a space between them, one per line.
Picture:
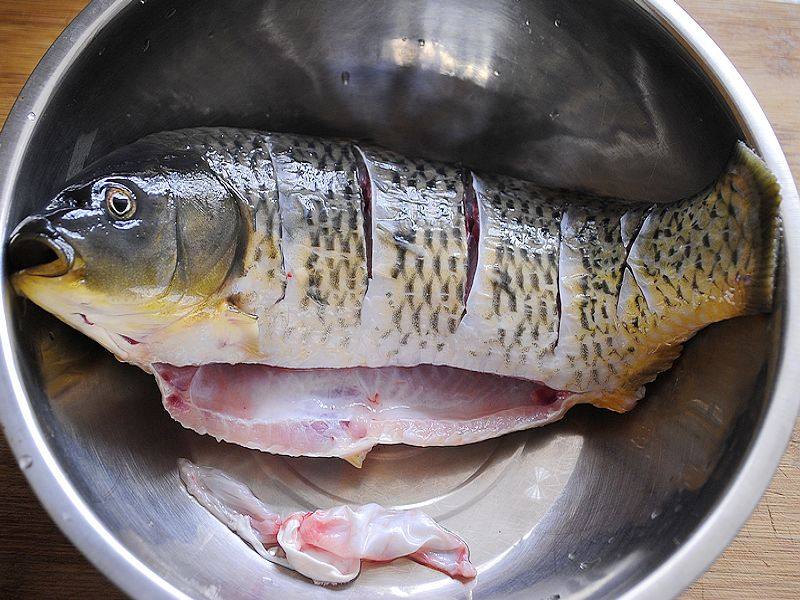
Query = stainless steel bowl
x=620 y=97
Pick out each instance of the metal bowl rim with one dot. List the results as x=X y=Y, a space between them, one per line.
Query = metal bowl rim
x=687 y=563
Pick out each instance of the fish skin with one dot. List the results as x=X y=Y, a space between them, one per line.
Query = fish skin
x=416 y=297
x=512 y=315
x=638 y=280
x=324 y=254
x=589 y=331
x=583 y=294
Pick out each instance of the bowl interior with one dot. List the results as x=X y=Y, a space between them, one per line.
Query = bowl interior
x=580 y=95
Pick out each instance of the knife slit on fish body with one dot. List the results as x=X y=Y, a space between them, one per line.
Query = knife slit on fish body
x=328 y=261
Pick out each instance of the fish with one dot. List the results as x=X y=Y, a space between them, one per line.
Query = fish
x=317 y=297
x=327 y=545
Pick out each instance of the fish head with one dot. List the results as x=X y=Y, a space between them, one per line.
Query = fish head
x=139 y=240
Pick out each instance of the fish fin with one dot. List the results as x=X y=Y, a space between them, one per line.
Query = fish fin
x=764 y=191
x=621 y=400
x=357 y=459
x=703 y=259
x=658 y=360
x=646 y=370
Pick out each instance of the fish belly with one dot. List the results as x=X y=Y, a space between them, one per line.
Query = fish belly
x=345 y=412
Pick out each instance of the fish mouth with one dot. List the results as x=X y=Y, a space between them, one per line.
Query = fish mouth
x=36 y=248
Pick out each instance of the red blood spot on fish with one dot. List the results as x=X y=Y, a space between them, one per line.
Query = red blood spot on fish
x=356 y=429
x=85 y=320
x=176 y=402
x=319 y=426
x=179 y=377
x=130 y=340
x=545 y=396
x=289 y=275
x=375 y=399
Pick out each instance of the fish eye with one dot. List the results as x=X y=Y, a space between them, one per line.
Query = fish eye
x=120 y=202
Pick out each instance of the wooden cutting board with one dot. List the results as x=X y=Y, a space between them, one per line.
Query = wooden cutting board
x=763 y=40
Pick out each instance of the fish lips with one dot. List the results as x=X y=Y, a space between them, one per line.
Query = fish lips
x=37 y=248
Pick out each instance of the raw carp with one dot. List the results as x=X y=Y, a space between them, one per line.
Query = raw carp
x=318 y=297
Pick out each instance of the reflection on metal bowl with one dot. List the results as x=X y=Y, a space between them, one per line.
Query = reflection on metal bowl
x=624 y=98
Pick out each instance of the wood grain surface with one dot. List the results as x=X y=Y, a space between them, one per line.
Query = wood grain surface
x=763 y=40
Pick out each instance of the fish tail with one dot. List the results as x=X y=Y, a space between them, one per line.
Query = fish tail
x=763 y=198
x=703 y=259
x=712 y=256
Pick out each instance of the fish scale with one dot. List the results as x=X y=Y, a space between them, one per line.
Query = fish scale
x=323 y=248
x=593 y=337
x=512 y=313
x=415 y=298
x=572 y=290
x=700 y=260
